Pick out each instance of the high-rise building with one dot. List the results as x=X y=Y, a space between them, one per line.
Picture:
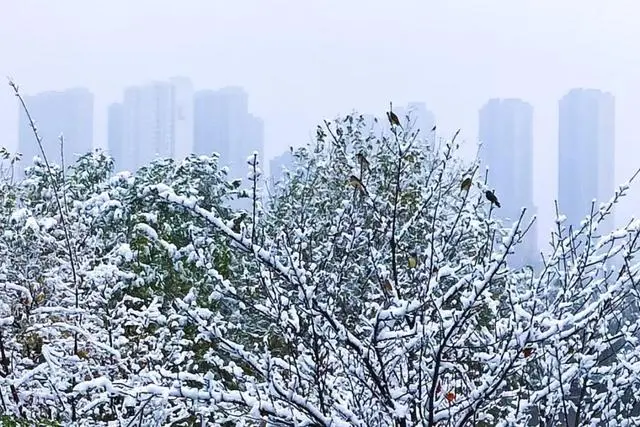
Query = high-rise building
x=253 y=141
x=115 y=132
x=208 y=124
x=506 y=135
x=157 y=122
x=137 y=129
x=278 y=164
x=418 y=118
x=182 y=101
x=67 y=113
x=224 y=125
x=586 y=154
x=233 y=118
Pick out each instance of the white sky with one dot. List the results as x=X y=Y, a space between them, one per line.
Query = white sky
x=305 y=61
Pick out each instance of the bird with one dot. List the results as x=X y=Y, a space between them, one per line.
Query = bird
x=355 y=182
x=362 y=160
x=413 y=260
x=393 y=119
x=237 y=221
x=387 y=286
x=466 y=184
x=433 y=129
x=527 y=351
x=492 y=198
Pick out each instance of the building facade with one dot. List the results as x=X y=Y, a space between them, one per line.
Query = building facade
x=417 y=117
x=586 y=148
x=224 y=125
x=278 y=164
x=67 y=114
x=115 y=132
x=157 y=122
x=506 y=135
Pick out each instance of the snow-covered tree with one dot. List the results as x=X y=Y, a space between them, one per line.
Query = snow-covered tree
x=373 y=289
x=376 y=290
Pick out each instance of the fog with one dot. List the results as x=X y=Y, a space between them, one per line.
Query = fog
x=302 y=62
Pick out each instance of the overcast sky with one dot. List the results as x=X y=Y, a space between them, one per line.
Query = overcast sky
x=304 y=61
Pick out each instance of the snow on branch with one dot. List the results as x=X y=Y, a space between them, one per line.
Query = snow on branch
x=384 y=283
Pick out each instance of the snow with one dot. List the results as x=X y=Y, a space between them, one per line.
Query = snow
x=101 y=382
x=19 y=215
x=47 y=223
x=124 y=250
x=297 y=324
x=147 y=231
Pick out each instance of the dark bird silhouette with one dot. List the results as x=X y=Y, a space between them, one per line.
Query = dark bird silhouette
x=364 y=163
x=466 y=184
x=355 y=182
x=492 y=198
x=393 y=119
x=387 y=286
x=433 y=129
x=237 y=222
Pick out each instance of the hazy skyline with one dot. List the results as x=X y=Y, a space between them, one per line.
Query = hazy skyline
x=506 y=133
x=304 y=62
x=68 y=114
x=586 y=171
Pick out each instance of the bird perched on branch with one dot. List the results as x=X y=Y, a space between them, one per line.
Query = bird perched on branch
x=237 y=222
x=393 y=119
x=387 y=287
x=413 y=260
x=492 y=198
x=235 y=184
x=527 y=351
x=355 y=182
x=466 y=184
x=364 y=163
